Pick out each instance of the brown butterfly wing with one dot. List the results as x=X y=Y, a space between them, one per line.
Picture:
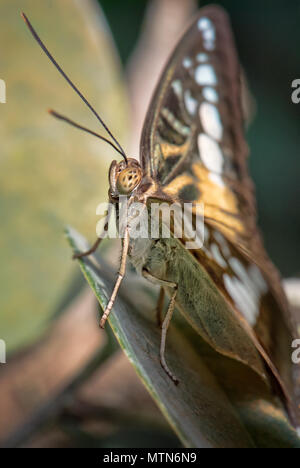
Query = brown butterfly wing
x=194 y=132
x=193 y=145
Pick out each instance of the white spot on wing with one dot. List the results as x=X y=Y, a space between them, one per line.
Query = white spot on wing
x=210 y=153
x=209 y=35
x=206 y=233
x=190 y=102
x=249 y=285
x=209 y=45
x=258 y=279
x=206 y=251
x=223 y=243
x=204 y=23
x=238 y=269
x=210 y=94
x=177 y=87
x=217 y=255
x=245 y=304
x=205 y=75
x=202 y=57
x=210 y=120
x=187 y=62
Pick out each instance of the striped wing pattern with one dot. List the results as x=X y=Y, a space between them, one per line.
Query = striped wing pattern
x=193 y=145
x=194 y=129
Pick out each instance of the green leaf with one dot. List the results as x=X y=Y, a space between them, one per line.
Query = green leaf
x=238 y=413
x=49 y=172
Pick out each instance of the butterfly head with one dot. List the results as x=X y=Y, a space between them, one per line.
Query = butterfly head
x=124 y=177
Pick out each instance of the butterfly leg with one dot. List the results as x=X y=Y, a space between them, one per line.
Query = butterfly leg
x=90 y=251
x=119 y=279
x=159 y=306
x=166 y=321
x=97 y=243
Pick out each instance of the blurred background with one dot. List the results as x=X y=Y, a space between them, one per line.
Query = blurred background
x=51 y=175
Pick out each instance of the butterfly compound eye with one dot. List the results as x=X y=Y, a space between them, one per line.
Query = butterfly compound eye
x=128 y=180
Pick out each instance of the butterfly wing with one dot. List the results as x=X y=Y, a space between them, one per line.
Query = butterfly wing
x=193 y=145
x=194 y=131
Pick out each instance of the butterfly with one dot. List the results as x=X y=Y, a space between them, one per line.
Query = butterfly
x=193 y=149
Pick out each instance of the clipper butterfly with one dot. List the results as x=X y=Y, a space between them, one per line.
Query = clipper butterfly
x=193 y=149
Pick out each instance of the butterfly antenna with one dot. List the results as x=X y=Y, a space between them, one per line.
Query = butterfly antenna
x=57 y=66
x=80 y=127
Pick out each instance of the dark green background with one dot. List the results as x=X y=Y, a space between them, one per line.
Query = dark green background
x=268 y=40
